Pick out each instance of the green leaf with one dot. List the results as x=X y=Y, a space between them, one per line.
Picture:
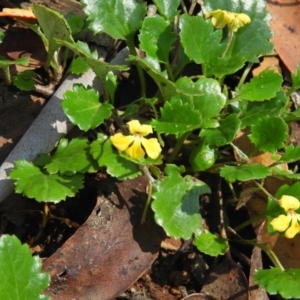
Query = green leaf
x=295 y=81
x=269 y=133
x=206 y=95
x=103 y=151
x=72 y=157
x=262 y=87
x=176 y=203
x=23 y=61
x=20 y=272
x=256 y=110
x=245 y=43
x=75 y=22
x=78 y=66
x=223 y=134
x=211 y=244
x=203 y=157
x=291 y=154
x=156 y=38
x=54 y=26
x=83 y=108
x=293 y=190
x=245 y=172
x=283 y=282
x=284 y=174
x=167 y=8
x=34 y=183
x=197 y=37
x=166 y=86
x=117 y=18
x=100 y=67
x=24 y=81
x=177 y=117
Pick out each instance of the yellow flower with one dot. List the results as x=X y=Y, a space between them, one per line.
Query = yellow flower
x=221 y=18
x=288 y=223
x=132 y=144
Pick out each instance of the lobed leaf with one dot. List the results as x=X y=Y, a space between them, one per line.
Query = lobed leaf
x=211 y=244
x=291 y=154
x=295 y=80
x=167 y=8
x=257 y=110
x=197 y=36
x=72 y=157
x=24 y=81
x=283 y=282
x=156 y=38
x=83 y=108
x=262 y=87
x=177 y=117
x=176 y=203
x=117 y=18
x=223 y=134
x=205 y=94
x=20 y=272
x=31 y=181
x=244 y=172
x=269 y=133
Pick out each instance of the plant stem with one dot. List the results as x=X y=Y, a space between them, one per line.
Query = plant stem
x=151 y=180
x=145 y=212
x=7 y=75
x=131 y=46
x=245 y=74
x=177 y=147
x=265 y=191
x=250 y=221
x=192 y=7
x=183 y=6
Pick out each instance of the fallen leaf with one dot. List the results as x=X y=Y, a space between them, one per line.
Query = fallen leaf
x=226 y=281
x=21 y=14
x=111 y=250
x=286 y=27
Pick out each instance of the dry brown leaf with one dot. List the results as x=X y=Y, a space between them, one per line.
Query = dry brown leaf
x=21 y=14
x=286 y=27
x=111 y=250
x=226 y=281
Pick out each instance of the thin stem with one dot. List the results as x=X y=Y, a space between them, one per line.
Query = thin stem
x=145 y=212
x=7 y=75
x=160 y=140
x=245 y=74
x=131 y=46
x=232 y=190
x=229 y=41
x=250 y=221
x=151 y=181
x=177 y=147
x=265 y=191
x=183 y=7
x=192 y=7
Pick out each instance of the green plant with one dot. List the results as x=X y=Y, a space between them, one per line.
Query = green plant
x=200 y=115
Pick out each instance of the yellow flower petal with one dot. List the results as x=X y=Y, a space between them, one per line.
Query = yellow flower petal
x=239 y=21
x=289 y=203
x=135 y=150
x=121 y=142
x=245 y=19
x=293 y=229
x=135 y=127
x=281 y=223
x=152 y=147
